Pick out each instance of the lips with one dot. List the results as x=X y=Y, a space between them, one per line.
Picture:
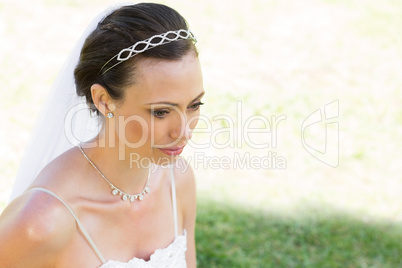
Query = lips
x=172 y=151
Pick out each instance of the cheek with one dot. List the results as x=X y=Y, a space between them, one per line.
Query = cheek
x=159 y=129
x=134 y=130
x=193 y=120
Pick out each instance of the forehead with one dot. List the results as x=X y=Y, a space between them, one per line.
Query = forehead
x=163 y=80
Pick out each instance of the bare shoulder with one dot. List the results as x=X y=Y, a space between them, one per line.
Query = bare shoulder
x=186 y=196
x=184 y=177
x=34 y=229
x=185 y=189
x=62 y=172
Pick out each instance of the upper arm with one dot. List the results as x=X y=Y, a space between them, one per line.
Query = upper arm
x=33 y=230
x=186 y=193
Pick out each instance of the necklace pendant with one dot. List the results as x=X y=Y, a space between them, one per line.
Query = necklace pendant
x=117 y=191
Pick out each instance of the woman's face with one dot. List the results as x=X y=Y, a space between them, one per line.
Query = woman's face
x=161 y=109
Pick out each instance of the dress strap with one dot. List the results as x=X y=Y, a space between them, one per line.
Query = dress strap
x=80 y=226
x=176 y=232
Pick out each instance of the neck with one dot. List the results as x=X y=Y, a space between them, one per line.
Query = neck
x=114 y=163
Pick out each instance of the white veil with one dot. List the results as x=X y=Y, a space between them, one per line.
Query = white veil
x=64 y=120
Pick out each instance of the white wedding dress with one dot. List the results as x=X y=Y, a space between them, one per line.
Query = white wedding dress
x=171 y=256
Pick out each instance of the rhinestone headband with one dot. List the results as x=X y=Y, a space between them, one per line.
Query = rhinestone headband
x=153 y=41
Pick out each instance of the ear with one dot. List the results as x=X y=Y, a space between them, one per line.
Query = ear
x=101 y=99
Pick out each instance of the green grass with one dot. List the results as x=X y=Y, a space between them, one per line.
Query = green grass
x=229 y=236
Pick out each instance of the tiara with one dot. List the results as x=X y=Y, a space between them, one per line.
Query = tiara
x=153 y=41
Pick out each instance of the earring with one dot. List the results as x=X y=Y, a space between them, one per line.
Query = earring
x=110 y=115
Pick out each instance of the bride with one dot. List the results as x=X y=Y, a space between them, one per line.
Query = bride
x=124 y=197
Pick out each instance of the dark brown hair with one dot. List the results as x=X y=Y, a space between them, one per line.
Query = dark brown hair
x=121 y=29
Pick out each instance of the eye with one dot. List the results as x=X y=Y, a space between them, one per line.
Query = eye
x=196 y=106
x=160 y=113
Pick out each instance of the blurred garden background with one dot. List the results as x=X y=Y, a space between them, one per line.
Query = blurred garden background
x=271 y=58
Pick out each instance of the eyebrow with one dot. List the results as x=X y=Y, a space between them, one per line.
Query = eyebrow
x=175 y=104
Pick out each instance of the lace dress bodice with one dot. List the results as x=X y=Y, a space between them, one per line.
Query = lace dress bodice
x=173 y=256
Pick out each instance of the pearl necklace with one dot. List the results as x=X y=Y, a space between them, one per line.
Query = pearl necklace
x=117 y=191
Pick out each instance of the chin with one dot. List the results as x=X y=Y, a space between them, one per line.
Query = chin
x=164 y=160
